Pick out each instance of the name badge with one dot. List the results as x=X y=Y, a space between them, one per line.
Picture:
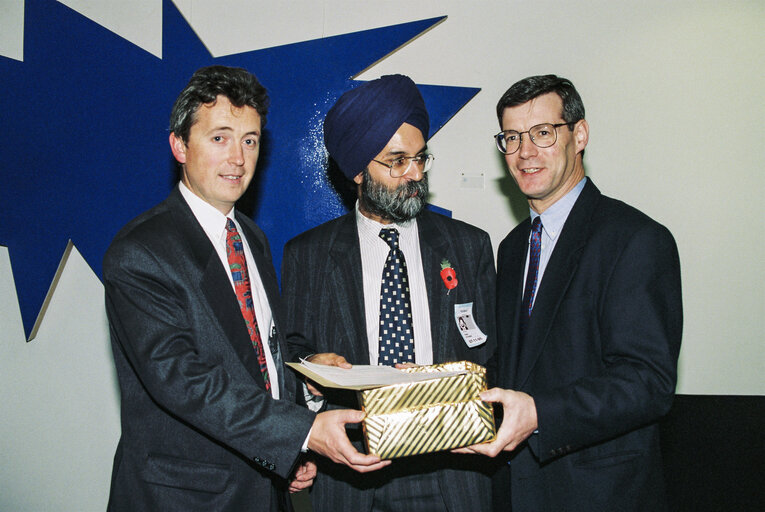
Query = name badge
x=463 y=316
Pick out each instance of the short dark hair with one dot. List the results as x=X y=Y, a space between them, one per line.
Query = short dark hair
x=206 y=84
x=529 y=88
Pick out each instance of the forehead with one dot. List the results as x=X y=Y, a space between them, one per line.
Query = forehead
x=407 y=139
x=547 y=108
x=222 y=114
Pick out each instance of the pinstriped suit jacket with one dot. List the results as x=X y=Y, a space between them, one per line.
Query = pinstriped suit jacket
x=323 y=290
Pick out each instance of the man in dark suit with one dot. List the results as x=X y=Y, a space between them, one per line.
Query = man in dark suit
x=589 y=322
x=208 y=414
x=335 y=275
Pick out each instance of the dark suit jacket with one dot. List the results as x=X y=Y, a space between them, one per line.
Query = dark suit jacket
x=322 y=286
x=199 y=431
x=599 y=358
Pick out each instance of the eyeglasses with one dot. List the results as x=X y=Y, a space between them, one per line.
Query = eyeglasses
x=542 y=135
x=401 y=165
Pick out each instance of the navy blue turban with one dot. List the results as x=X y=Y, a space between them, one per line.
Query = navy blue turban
x=364 y=119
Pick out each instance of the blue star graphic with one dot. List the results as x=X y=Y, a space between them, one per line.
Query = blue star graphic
x=84 y=146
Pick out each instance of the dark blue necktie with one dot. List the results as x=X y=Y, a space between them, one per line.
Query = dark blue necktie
x=396 y=336
x=535 y=248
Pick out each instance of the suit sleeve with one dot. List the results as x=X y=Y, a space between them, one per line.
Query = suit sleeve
x=193 y=379
x=300 y=334
x=486 y=289
x=639 y=324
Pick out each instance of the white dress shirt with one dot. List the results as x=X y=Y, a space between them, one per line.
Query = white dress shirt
x=213 y=223
x=374 y=252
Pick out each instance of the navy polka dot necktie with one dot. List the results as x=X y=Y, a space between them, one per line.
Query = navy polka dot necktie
x=396 y=336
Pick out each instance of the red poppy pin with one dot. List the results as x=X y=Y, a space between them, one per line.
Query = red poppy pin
x=448 y=275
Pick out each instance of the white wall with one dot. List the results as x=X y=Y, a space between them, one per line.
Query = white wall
x=673 y=92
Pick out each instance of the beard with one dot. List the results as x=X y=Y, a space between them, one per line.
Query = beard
x=400 y=204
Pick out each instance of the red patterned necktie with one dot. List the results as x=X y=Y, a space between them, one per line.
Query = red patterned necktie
x=238 y=266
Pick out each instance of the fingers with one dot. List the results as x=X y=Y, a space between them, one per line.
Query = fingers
x=349 y=455
x=492 y=395
x=359 y=461
x=491 y=449
x=328 y=438
x=297 y=486
x=370 y=468
x=520 y=421
x=345 y=416
x=304 y=477
x=306 y=472
x=312 y=388
x=402 y=366
x=330 y=359
x=488 y=449
x=465 y=450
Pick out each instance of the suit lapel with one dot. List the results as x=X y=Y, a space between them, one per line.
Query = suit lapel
x=267 y=275
x=225 y=307
x=434 y=247
x=557 y=277
x=513 y=265
x=215 y=285
x=347 y=285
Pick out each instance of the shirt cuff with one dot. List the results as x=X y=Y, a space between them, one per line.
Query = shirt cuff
x=313 y=402
x=305 y=443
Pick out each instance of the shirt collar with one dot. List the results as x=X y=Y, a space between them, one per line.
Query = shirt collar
x=555 y=216
x=371 y=228
x=212 y=221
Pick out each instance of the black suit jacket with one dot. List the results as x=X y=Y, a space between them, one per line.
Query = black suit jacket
x=599 y=358
x=323 y=288
x=199 y=431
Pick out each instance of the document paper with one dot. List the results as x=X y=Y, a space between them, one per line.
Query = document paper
x=362 y=376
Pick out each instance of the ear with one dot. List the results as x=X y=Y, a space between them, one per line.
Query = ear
x=359 y=178
x=581 y=135
x=178 y=147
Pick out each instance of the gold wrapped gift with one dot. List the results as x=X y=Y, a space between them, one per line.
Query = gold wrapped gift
x=430 y=415
x=416 y=410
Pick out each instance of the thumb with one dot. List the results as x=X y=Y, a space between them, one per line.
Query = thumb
x=351 y=416
x=492 y=395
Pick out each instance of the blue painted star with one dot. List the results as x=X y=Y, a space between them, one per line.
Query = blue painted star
x=84 y=146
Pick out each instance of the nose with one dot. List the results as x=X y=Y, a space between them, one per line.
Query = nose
x=414 y=173
x=236 y=155
x=528 y=148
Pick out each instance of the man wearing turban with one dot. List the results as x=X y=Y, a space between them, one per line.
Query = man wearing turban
x=387 y=284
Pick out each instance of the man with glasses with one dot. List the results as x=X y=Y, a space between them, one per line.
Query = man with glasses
x=369 y=288
x=589 y=320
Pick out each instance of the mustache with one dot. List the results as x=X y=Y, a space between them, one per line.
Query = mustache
x=399 y=204
x=412 y=189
